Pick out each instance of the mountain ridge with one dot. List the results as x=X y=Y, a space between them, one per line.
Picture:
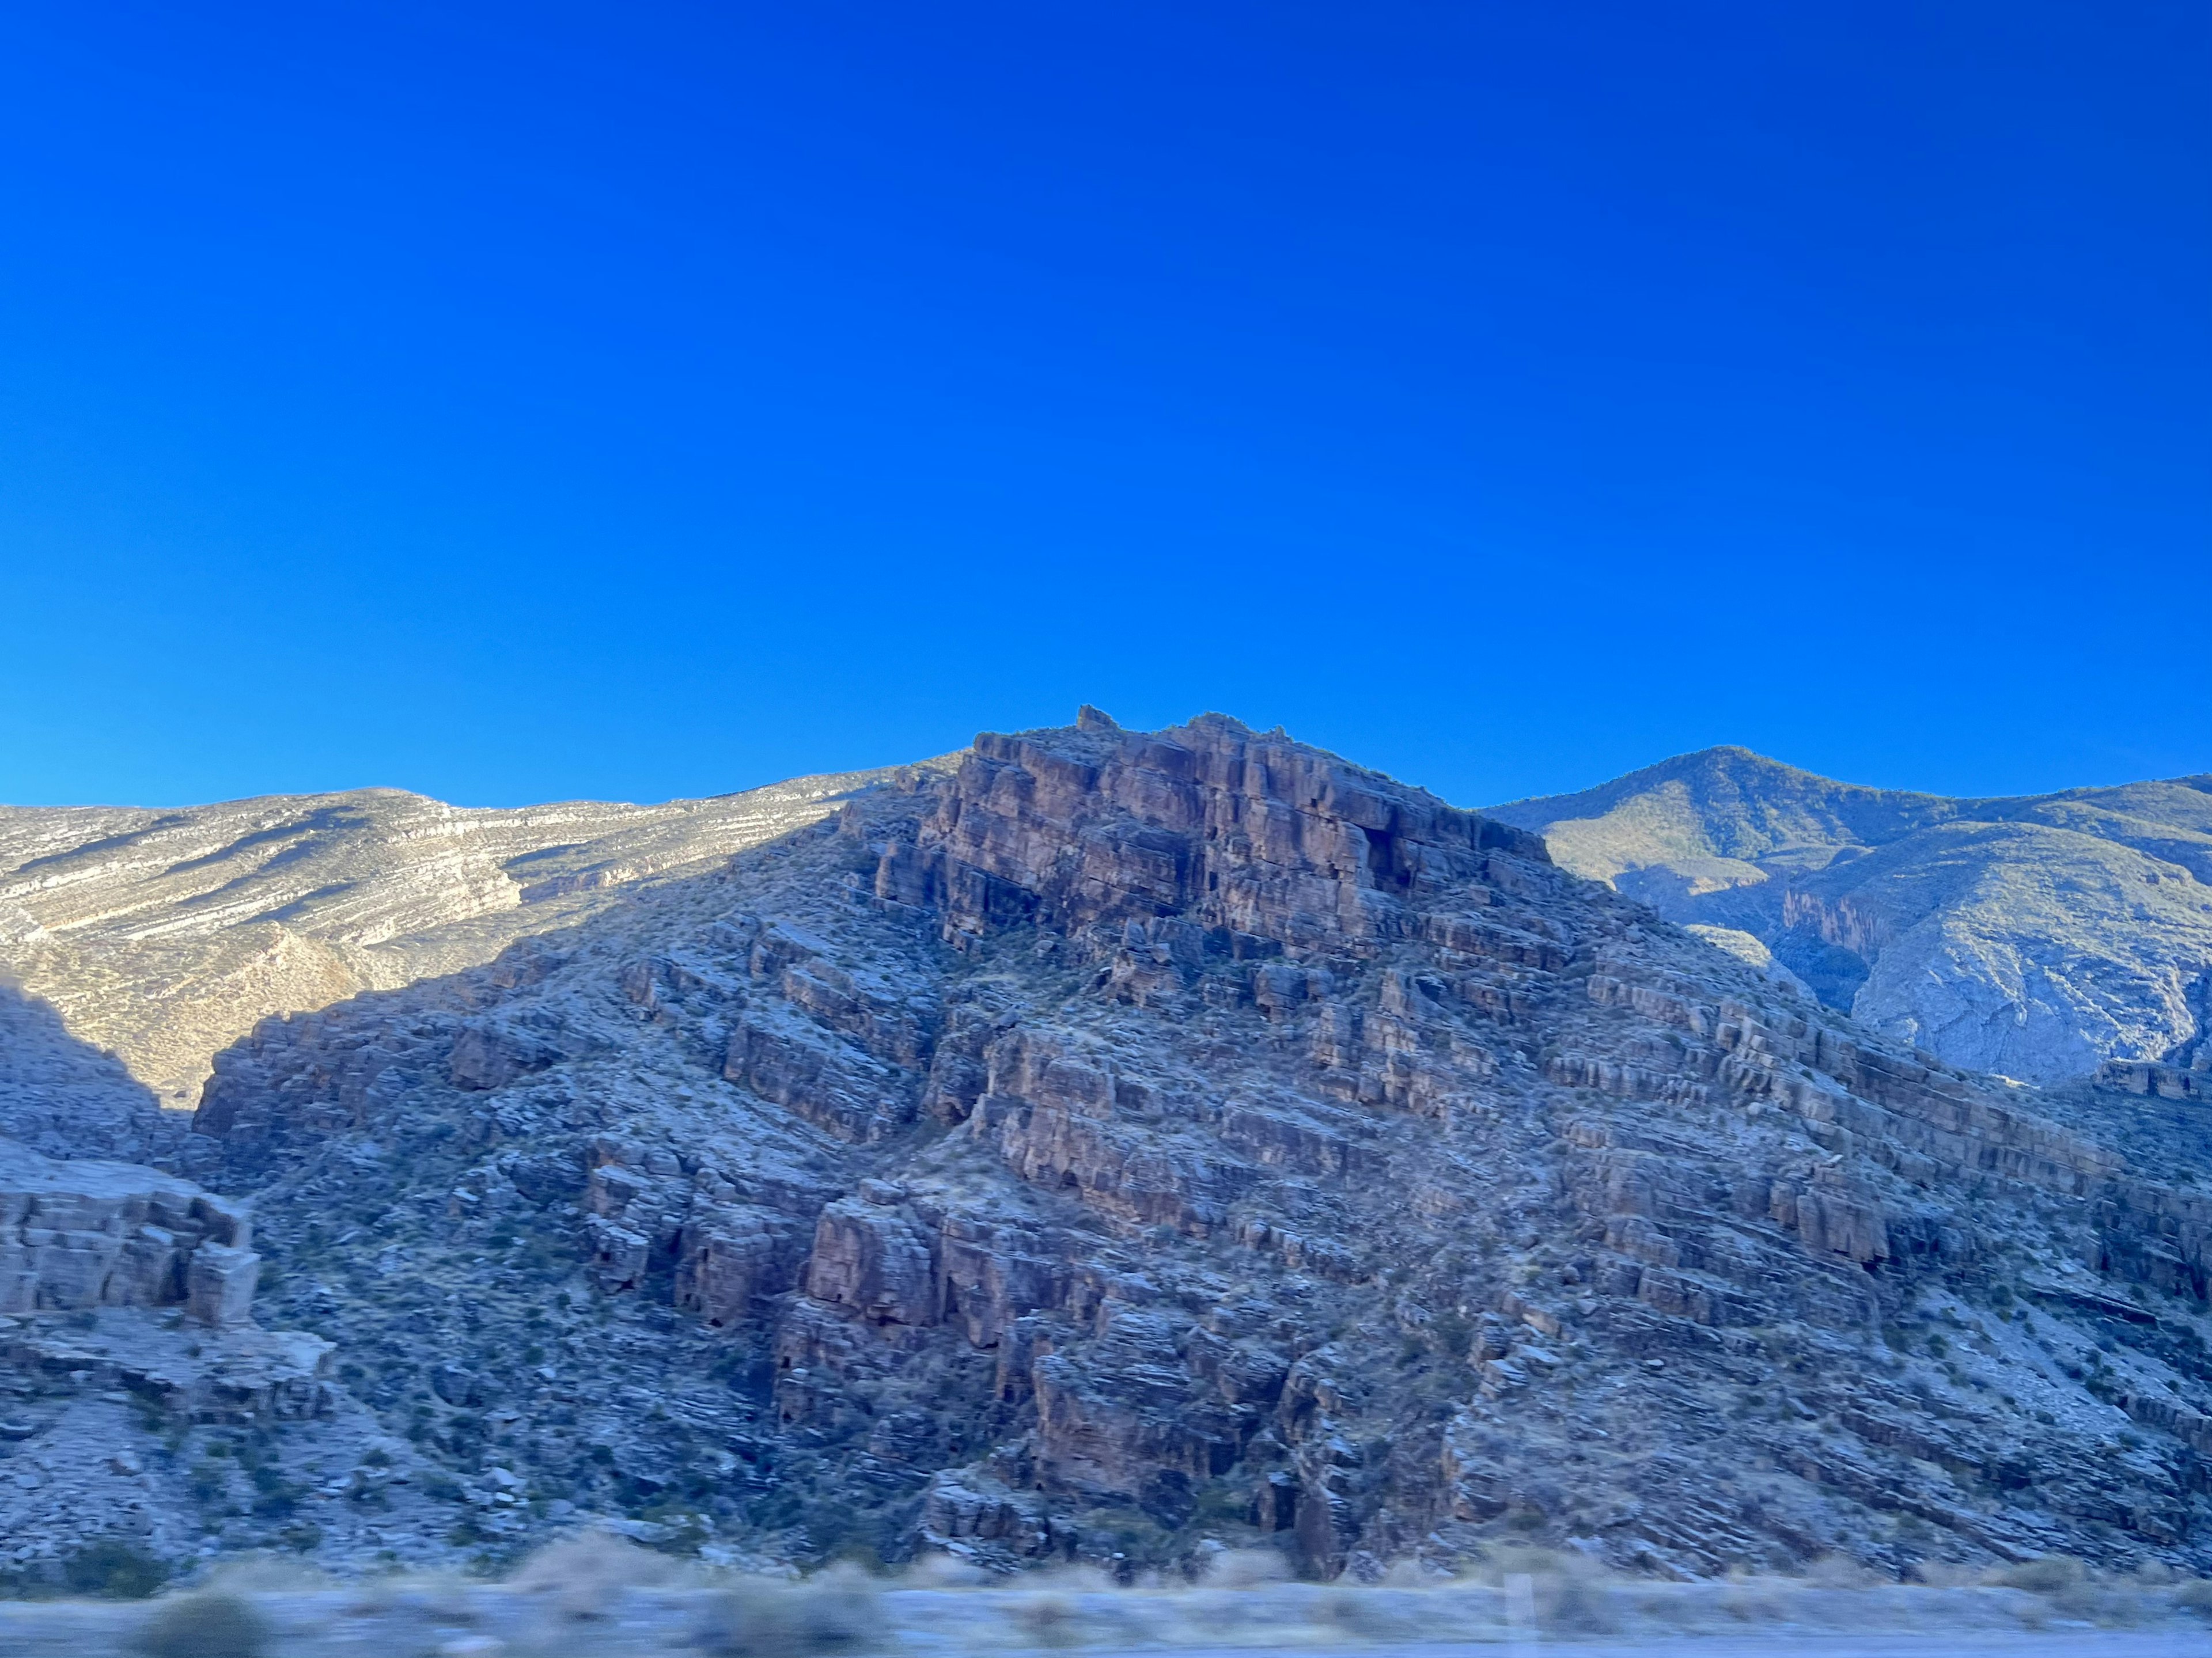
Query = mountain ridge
x=1117 y=1146
x=2038 y=936
x=1130 y=1143
x=162 y=934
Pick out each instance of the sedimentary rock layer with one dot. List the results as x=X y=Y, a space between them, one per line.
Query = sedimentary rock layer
x=1134 y=1139
x=165 y=935
x=88 y=1234
x=2036 y=937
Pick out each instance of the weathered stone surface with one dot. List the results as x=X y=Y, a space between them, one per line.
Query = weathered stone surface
x=1130 y=1139
x=733 y=1256
x=873 y=1261
x=92 y=1234
x=250 y=1375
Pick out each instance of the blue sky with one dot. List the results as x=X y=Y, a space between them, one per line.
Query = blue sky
x=516 y=403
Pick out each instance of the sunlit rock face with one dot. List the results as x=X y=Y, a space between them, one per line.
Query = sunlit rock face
x=166 y=935
x=2038 y=936
x=1119 y=1140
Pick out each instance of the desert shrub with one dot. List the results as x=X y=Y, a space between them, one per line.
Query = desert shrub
x=835 y=1612
x=2196 y=1595
x=1506 y=1560
x=2050 y=1574
x=587 y=1573
x=203 y=1626
x=944 y=1571
x=276 y=1502
x=114 y=1570
x=1840 y=1571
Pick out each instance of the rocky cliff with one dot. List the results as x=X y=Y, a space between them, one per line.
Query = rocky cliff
x=1132 y=1139
x=2037 y=937
x=91 y=1234
x=141 y=1408
x=165 y=935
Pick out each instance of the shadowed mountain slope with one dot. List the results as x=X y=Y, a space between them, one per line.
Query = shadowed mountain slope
x=165 y=935
x=1135 y=1139
x=61 y=1098
x=2037 y=937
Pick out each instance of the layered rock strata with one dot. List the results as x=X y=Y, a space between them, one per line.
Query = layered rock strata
x=1134 y=1139
x=2038 y=936
x=91 y=1234
x=166 y=935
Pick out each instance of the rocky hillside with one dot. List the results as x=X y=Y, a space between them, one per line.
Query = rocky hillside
x=166 y=935
x=63 y=1098
x=1135 y=1141
x=2036 y=937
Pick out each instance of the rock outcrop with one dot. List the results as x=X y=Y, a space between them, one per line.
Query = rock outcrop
x=1133 y=1139
x=2037 y=937
x=141 y=1407
x=91 y=1234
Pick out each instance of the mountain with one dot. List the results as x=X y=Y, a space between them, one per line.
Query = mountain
x=166 y=935
x=63 y=1098
x=2037 y=937
x=1122 y=1142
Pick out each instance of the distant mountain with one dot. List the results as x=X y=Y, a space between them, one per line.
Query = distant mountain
x=2034 y=936
x=165 y=936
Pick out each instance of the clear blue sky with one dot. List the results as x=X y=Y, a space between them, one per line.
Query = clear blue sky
x=532 y=401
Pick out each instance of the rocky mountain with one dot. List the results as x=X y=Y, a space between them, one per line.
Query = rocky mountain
x=2036 y=937
x=63 y=1098
x=1129 y=1141
x=166 y=935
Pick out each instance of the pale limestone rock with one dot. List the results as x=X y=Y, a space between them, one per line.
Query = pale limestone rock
x=166 y=935
x=2035 y=936
x=219 y=1284
x=92 y=1234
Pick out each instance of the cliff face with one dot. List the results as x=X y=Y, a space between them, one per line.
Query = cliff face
x=1133 y=1138
x=2038 y=936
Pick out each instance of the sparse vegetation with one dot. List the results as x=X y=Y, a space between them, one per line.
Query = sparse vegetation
x=207 y=1625
x=835 y=1612
x=112 y=1570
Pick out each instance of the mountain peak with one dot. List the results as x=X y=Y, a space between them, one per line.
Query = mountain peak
x=2014 y=935
x=1129 y=1142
